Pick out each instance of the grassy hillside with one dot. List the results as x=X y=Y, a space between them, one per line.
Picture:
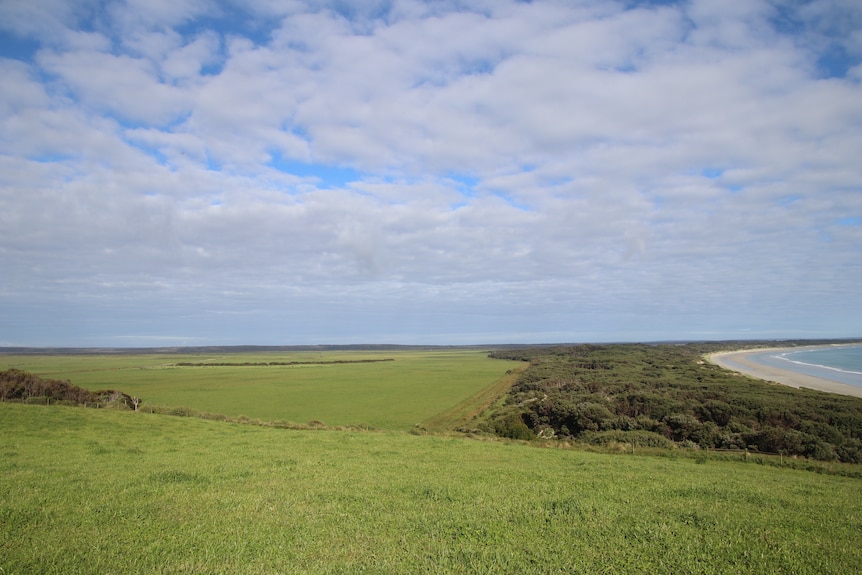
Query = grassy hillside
x=396 y=394
x=100 y=491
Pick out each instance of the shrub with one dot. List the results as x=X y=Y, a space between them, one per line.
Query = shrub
x=513 y=427
x=850 y=451
x=683 y=427
x=816 y=448
x=18 y=385
x=777 y=440
x=716 y=411
x=637 y=438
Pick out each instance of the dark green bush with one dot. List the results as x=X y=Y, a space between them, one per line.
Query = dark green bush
x=18 y=385
x=638 y=438
x=513 y=427
x=850 y=451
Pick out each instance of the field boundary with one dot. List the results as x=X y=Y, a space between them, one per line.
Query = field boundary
x=273 y=363
x=467 y=410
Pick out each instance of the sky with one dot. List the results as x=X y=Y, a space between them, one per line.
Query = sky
x=224 y=172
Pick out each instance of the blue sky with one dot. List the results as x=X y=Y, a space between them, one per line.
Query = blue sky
x=195 y=172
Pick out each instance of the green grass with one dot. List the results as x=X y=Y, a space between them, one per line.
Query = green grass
x=397 y=394
x=99 y=491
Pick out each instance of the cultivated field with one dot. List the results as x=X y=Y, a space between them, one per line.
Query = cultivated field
x=383 y=389
x=101 y=491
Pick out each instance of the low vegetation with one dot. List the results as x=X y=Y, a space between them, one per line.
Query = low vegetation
x=21 y=386
x=122 y=491
x=100 y=491
x=384 y=389
x=666 y=396
x=271 y=363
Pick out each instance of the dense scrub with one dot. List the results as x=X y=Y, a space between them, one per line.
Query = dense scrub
x=21 y=386
x=661 y=395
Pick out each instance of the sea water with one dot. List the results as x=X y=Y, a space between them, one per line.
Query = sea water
x=841 y=357
x=842 y=363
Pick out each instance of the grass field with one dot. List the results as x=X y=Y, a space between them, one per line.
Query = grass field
x=105 y=491
x=100 y=491
x=397 y=394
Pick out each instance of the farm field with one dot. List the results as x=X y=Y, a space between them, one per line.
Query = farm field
x=102 y=491
x=384 y=389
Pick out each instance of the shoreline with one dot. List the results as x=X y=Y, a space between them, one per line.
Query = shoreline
x=739 y=362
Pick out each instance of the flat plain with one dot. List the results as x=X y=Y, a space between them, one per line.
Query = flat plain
x=394 y=389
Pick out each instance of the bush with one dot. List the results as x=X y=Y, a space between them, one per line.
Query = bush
x=683 y=427
x=513 y=427
x=638 y=438
x=719 y=412
x=850 y=451
x=777 y=440
x=18 y=385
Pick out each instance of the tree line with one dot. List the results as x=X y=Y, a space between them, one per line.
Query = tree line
x=275 y=363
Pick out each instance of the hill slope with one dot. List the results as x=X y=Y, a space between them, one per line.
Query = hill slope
x=86 y=491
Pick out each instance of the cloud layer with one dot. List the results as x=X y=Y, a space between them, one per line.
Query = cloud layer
x=196 y=171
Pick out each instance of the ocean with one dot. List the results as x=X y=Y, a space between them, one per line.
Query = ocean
x=838 y=363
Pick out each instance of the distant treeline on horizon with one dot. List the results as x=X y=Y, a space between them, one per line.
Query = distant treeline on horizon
x=275 y=363
x=34 y=350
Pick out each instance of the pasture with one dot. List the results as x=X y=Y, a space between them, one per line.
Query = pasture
x=100 y=491
x=394 y=390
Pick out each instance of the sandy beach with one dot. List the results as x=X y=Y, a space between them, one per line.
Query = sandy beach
x=738 y=361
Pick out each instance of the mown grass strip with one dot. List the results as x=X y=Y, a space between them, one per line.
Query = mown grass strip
x=464 y=413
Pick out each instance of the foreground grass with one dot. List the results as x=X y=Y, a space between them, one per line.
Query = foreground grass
x=397 y=394
x=95 y=491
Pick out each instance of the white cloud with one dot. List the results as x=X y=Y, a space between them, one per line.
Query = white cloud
x=188 y=61
x=45 y=19
x=130 y=16
x=512 y=168
x=126 y=87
